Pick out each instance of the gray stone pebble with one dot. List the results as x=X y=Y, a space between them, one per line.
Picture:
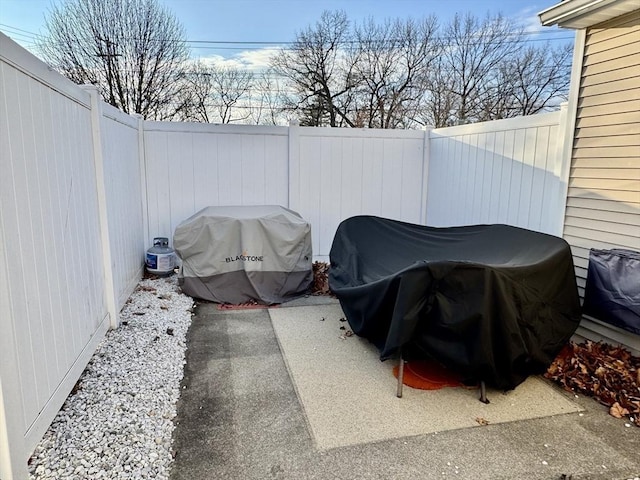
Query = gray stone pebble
x=118 y=421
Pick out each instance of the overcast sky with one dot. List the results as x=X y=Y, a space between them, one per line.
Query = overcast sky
x=277 y=21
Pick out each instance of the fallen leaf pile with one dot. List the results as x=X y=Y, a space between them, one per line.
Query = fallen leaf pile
x=321 y=279
x=609 y=374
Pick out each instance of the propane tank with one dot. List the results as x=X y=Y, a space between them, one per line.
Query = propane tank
x=160 y=259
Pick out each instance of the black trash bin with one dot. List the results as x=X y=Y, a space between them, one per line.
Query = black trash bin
x=612 y=293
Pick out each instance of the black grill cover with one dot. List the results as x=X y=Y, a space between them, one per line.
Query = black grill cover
x=612 y=293
x=492 y=302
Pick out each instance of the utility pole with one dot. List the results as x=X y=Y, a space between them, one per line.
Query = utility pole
x=108 y=57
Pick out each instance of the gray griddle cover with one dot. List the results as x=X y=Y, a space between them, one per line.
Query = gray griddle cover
x=492 y=302
x=238 y=254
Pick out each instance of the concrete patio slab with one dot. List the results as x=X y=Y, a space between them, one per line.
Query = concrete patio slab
x=239 y=417
x=349 y=395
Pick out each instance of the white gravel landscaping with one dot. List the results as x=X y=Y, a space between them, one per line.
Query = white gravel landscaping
x=118 y=421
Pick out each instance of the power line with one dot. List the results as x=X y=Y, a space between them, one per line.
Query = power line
x=19 y=29
x=243 y=44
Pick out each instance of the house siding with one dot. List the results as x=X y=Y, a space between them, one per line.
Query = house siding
x=603 y=201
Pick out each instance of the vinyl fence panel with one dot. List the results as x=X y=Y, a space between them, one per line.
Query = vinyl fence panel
x=55 y=309
x=339 y=173
x=192 y=166
x=505 y=171
x=123 y=186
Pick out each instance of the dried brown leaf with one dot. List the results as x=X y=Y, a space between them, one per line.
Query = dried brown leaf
x=617 y=411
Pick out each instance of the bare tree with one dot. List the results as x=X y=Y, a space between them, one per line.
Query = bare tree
x=437 y=108
x=215 y=94
x=266 y=100
x=392 y=61
x=192 y=99
x=474 y=52
x=316 y=70
x=488 y=72
x=371 y=75
x=132 y=50
x=231 y=87
x=536 y=78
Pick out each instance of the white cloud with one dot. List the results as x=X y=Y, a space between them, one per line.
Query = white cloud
x=528 y=18
x=254 y=60
x=258 y=59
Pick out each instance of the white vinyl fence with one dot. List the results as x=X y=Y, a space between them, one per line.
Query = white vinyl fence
x=124 y=185
x=190 y=166
x=58 y=292
x=505 y=171
x=338 y=173
x=84 y=188
x=324 y=174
